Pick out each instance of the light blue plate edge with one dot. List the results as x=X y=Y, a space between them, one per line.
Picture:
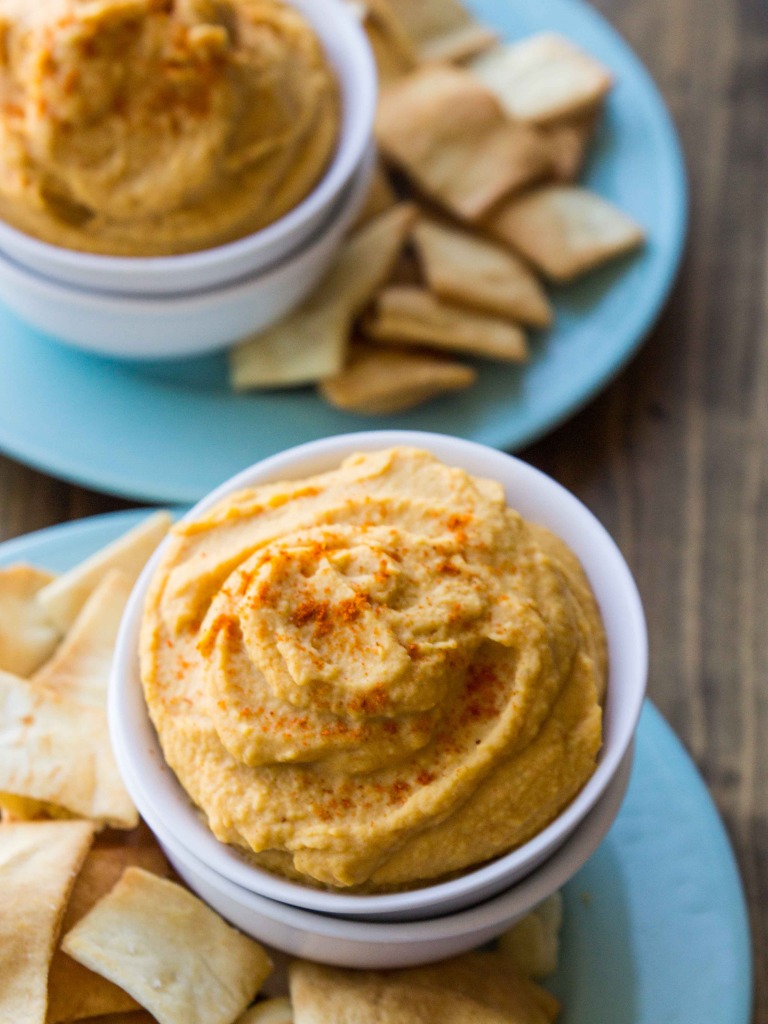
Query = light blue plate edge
x=579 y=20
x=659 y=755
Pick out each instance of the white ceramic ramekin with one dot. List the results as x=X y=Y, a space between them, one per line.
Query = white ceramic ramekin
x=355 y=942
x=178 y=326
x=538 y=498
x=350 y=55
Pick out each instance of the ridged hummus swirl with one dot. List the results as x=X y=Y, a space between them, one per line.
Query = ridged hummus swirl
x=374 y=677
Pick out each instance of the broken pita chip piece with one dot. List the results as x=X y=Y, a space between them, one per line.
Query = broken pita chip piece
x=270 y=1011
x=569 y=142
x=74 y=992
x=565 y=230
x=27 y=635
x=448 y=133
x=64 y=597
x=414 y=316
x=543 y=78
x=320 y=994
x=38 y=865
x=393 y=50
x=493 y=979
x=381 y=196
x=476 y=272
x=311 y=343
x=56 y=750
x=442 y=30
x=80 y=667
x=379 y=381
x=533 y=943
x=171 y=952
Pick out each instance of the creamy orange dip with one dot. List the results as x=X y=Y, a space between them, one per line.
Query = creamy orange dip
x=374 y=677
x=148 y=127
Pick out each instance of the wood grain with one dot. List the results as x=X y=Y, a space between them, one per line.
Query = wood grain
x=673 y=456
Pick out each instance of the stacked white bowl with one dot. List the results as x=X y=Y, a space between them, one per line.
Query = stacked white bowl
x=437 y=920
x=175 y=306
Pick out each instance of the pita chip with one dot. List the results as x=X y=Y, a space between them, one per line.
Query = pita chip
x=270 y=1011
x=442 y=30
x=543 y=78
x=404 y=314
x=55 y=750
x=393 y=50
x=565 y=230
x=80 y=667
x=185 y=965
x=64 y=597
x=569 y=142
x=379 y=381
x=493 y=979
x=474 y=271
x=74 y=992
x=381 y=196
x=320 y=994
x=27 y=635
x=311 y=343
x=448 y=133
x=38 y=865
x=533 y=943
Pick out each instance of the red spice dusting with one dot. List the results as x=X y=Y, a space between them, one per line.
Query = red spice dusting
x=449 y=568
x=398 y=792
x=424 y=777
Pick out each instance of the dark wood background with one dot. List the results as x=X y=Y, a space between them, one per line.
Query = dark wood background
x=673 y=456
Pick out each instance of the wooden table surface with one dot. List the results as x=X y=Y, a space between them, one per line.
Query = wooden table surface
x=673 y=456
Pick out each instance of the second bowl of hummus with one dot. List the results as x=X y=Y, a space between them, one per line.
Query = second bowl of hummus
x=166 y=147
x=391 y=672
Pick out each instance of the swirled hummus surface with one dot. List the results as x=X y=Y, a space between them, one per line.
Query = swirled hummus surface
x=147 y=127
x=376 y=676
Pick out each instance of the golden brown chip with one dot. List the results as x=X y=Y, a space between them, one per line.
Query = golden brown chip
x=81 y=665
x=543 y=78
x=442 y=30
x=381 y=196
x=568 y=142
x=448 y=133
x=175 y=955
x=27 y=635
x=74 y=992
x=63 y=598
x=564 y=230
x=493 y=979
x=380 y=381
x=421 y=996
x=533 y=942
x=393 y=51
x=38 y=865
x=311 y=343
x=270 y=1011
x=56 y=750
x=476 y=272
x=410 y=315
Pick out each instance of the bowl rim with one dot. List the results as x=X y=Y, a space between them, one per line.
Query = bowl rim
x=347 y=155
x=481 y=460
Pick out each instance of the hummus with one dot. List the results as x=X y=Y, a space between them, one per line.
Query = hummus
x=149 y=127
x=374 y=677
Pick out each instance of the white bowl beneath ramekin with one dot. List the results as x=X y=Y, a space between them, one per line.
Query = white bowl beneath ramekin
x=350 y=55
x=178 y=326
x=355 y=942
x=537 y=497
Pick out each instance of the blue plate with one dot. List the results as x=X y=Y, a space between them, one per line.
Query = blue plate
x=655 y=928
x=170 y=433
